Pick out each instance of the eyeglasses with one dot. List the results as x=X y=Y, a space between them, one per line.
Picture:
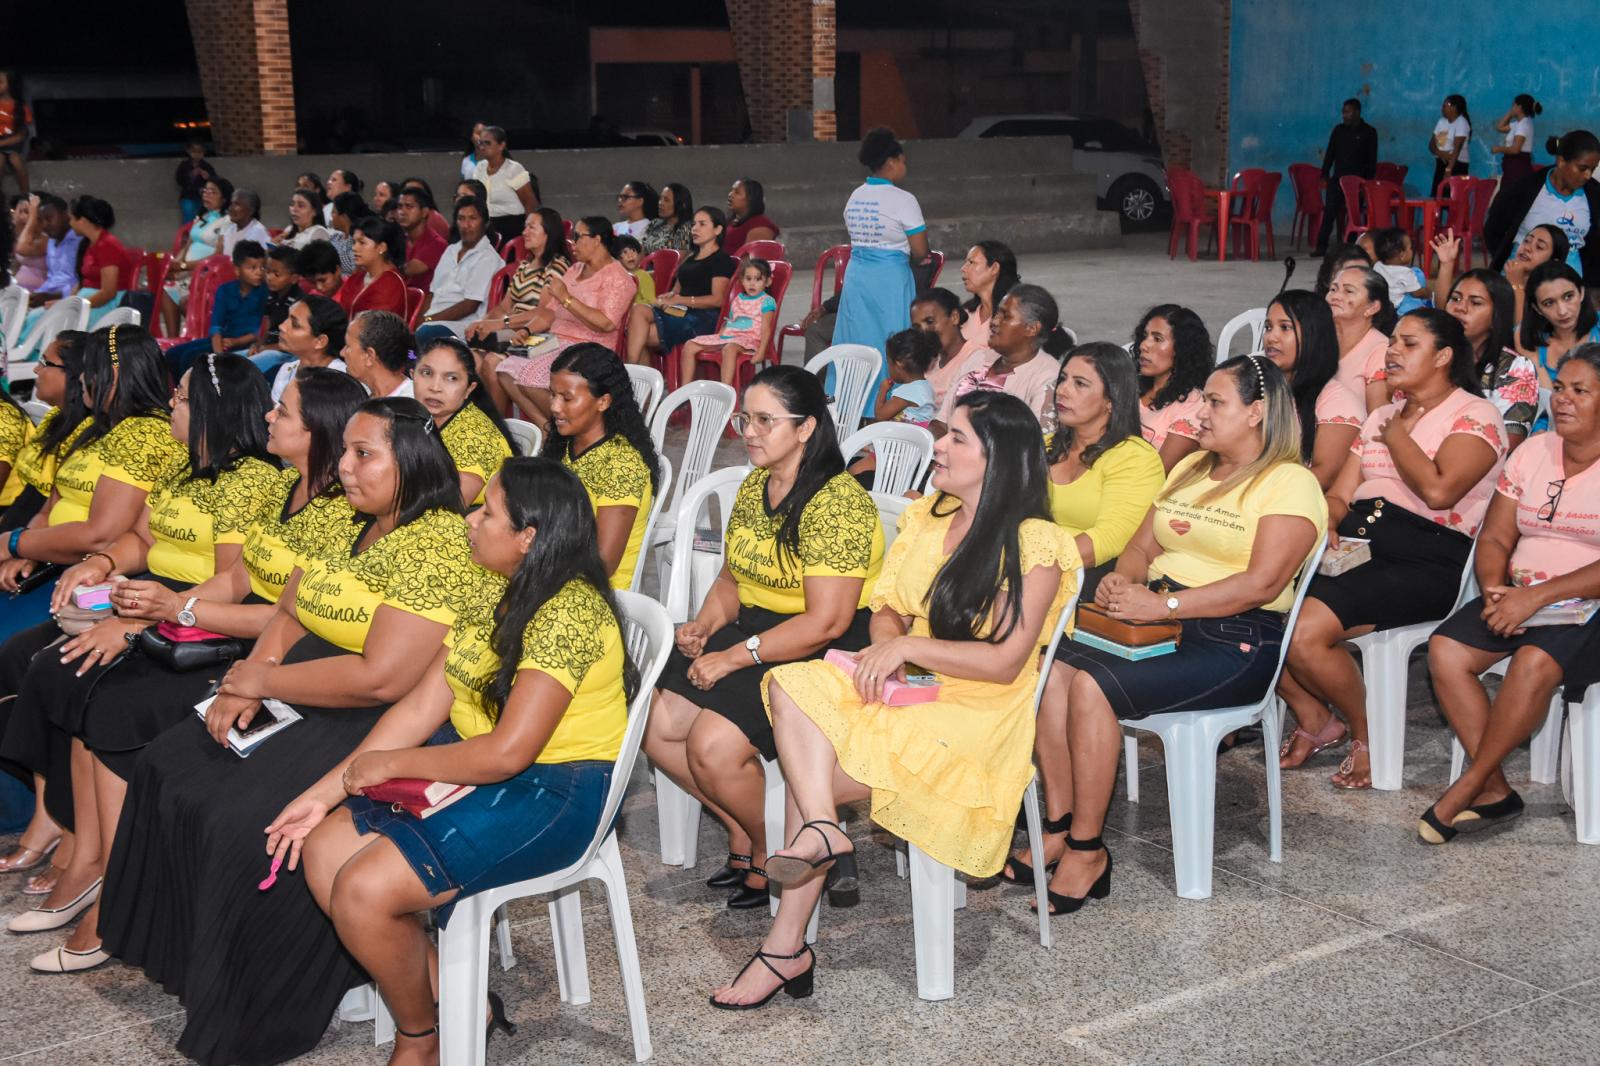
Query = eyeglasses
x=577 y=236
x=629 y=196
x=1553 y=491
x=761 y=423
x=53 y=366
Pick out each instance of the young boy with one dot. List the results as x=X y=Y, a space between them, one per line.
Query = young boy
x=629 y=252
x=235 y=314
x=283 y=289
x=318 y=266
x=1407 y=287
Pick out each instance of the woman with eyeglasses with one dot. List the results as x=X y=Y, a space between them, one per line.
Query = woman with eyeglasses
x=1540 y=545
x=512 y=188
x=637 y=204
x=803 y=546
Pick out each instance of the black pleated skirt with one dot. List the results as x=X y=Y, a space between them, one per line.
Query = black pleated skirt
x=260 y=973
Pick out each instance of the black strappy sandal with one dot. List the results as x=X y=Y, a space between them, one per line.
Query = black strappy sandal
x=787 y=869
x=416 y=1036
x=1024 y=872
x=747 y=897
x=730 y=875
x=798 y=987
x=1101 y=888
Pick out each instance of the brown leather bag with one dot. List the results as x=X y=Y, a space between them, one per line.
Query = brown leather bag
x=1092 y=618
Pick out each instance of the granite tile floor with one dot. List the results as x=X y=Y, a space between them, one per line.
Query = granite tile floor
x=1363 y=946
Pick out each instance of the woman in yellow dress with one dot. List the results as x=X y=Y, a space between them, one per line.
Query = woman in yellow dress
x=946 y=775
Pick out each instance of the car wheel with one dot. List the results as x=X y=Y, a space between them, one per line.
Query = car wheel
x=1137 y=200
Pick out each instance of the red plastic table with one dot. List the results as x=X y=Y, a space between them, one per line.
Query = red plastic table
x=1222 y=197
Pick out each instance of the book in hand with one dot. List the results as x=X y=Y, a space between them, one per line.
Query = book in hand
x=418 y=797
x=919 y=687
x=1124 y=639
x=273 y=716
x=1573 y=612
x=1350 y=553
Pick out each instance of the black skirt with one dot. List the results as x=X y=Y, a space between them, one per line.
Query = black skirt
x=737 y=697
x=1414 y=574
x=1564 y=644
x=260 y=973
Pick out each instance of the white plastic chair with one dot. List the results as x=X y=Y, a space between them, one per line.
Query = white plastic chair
x=648 y=385
x=1255 y=320
x=1544 y=747
x=1580 y=764
x=464 y=942
x=527 y=436
x=902 y=450
x=122 y=316
x=69 y=312
x=855 y=368
x=36 y=409
x=1385 y=656
x=1189 y=740
x=711 y=404
x=663 y=492
x=13 y=312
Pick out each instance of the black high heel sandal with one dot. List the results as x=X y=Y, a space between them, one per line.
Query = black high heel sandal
x=730 y=875
x=1024 y=872
x=798 y=987
x=416 y=1036
x=747 y=897
x=784 y=869
x=497 y=1018
x=843 y=882
x=1101 y=888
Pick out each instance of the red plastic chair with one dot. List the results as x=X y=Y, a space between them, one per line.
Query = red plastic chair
x=1483 y=190
x=209 y=275
x=1309 y=207
x=669 y=367
x=181 y=238
x=499 y=283
x=1355 y=210
x=1189 y=212
x=782 y=272
x=938 y=268
x=663 y=266
x=1392 y=172
x=414 y=298
x=838 y=257
x=1259 y=190
x=771 y=251
x=515 y=250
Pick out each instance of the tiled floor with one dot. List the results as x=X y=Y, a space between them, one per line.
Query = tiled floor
x=1362 y=946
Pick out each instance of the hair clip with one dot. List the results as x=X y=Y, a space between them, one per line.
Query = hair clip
x=411 y=354
x=428 y=426
x=111 y=339
x=1261 y=383
x=211 y=365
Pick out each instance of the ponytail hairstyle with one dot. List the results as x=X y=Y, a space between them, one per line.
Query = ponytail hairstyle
x=649 y=199
x=328 y=318
x=682 y=203
x=328 y=400
x=1536 y=329
x=878 y=146
x=606 y=376
x=1316 y=358
x=1447 y=332
x=426 y=475
x=543 y=495
x=125 y=376
x=944 y=300
x=718 y=220
x=1038 y=308
x=987 y=564
x=318 y=192
x=1530 y=107
x=600 y=227
x=1502 y=321
x=801 y=394
x=477 y=395
x=228 y=404
x=386 y=334
x=1192 y=353
x=1000 y=254
x=1257 y=379
x=1460 y=103
x=54 y=432
x=755 y=198
x=1377 y=291
x=1120 y=382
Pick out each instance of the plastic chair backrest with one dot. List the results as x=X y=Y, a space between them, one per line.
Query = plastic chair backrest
x=782 y=272
x=1057 y=634
x=527 y=436
x=856 y=367
x=1307 y=182
x=902 y=453
x=36 y=409
x=657 y=505
x=1267 y=195
x=1392 y=172
x=768 y=250
x=414 y=301
x=663 y=267
x=1307 y=572
x=1483 y=190
x=838 y=257
x=1383 y=204
x=938 y=268
x=890 y=508
x=180 y=238
x=1254 y=319
x=69 y=312
x=499 y=283
x=1187 y=195
x=515 y=250
x=122 y=316
x=724 y=486
x=209 y=276
x=648 y=384
x=13 y=313
x=1351 y=186
x=711 y=404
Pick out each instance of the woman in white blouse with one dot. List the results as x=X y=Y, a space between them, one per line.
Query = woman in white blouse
x=513 y=191
x=1516 y=155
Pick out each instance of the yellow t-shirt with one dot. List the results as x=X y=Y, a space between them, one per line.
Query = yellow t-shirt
x=1111 y=498
x=840 y=536
x=15 y=428
x=475 y=444
x=573 y=638
x=139 y=451
x=279 y=540
x=189 y=517
x=614 y=474
x=1203 y=543
x=424 y=568
x=36 y=469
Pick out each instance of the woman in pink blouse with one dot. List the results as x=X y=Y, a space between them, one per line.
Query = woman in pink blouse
x=1299 y=338
x=588 y=304
x=1540 y=544
x=1023 y=358
x=1359 y=300
x=1416 y=486
x=1175 y=357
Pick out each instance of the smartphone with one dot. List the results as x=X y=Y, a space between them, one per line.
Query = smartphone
x=264 y=717
x=919 y=675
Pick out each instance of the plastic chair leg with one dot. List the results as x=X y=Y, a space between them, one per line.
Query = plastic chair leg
x=359 y=1004
x=678 y=818
x=1271 y=738
x=1384 y=669
x=1458 y=759
x=1130 y=765
x=463 y=982
x=616 y=883
x=1545 y=748
x=934 y=925
x=777 y=797
x=382 y=1021
x=572 y=958
x=1583 y=729
x=1030 y=807
x=1191 y=756
x=502 y=936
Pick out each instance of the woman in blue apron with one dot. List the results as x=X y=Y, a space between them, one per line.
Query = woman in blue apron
x=887 y=235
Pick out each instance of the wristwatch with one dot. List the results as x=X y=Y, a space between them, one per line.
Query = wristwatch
x=1172 y=607
x=186 y=615
x=753 y=646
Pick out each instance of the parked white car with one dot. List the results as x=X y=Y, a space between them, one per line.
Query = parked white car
x=653 y=138
x=1132 y=180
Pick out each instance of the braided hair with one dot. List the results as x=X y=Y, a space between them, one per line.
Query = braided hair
x=607 y=376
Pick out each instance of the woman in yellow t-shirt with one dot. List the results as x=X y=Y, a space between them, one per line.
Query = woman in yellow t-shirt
x=529 y=694
x=354 y=632
x=946 y=775
x=597 y=432
x=445 y=381
x=803 y=548
x=57 y=382
x=1219 y=551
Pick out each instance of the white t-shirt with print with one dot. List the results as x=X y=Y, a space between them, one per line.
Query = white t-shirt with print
x=881 y=215
x=1445 y=132
x=1569 y=214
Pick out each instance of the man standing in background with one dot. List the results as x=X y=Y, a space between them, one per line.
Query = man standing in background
x=1352 y=149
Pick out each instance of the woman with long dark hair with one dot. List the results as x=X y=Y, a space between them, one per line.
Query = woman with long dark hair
x=544 y=238
x=1174 y=355
x=1299 y=338
x=637 y=204
x=988 y=273
x=694 y=303
x=803 y=545
x=1486 y=306
x=939 y=312
x=1449 y=144
x=105 y=265
x=354 y=631
x=446 y=383
x=670 y=226
x=598 y=432
x=1416 y=488
x=305 y=220
x=1557 y=318
x=747 y=216
x=972 y=585
x=1363 y=319
x=379 y=249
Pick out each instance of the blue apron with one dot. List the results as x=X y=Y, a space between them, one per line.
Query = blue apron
x=875 y=303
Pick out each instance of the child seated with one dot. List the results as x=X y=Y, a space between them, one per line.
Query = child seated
x=629 y=253
x=751 y=319
x=236 y=312
x=1407 y=286
x=906 y=395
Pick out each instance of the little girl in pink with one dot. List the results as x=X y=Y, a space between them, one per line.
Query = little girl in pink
x=748 y=327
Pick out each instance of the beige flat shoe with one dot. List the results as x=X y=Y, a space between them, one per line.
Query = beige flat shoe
x=64 y=960
x=44 y=919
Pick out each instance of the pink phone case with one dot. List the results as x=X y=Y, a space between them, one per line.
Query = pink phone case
x=895 y=693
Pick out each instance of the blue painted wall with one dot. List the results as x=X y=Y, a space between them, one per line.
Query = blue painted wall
x=1295 y=61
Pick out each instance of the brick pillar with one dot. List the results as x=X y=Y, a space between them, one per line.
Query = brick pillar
x=1183 y=51
x=242 y=50
x=785 y=50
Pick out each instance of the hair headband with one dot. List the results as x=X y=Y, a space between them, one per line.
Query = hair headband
x=211 y=365
x=1255 y=367
x=111 y=339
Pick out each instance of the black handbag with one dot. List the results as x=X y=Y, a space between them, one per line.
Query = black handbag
x=185 y=656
